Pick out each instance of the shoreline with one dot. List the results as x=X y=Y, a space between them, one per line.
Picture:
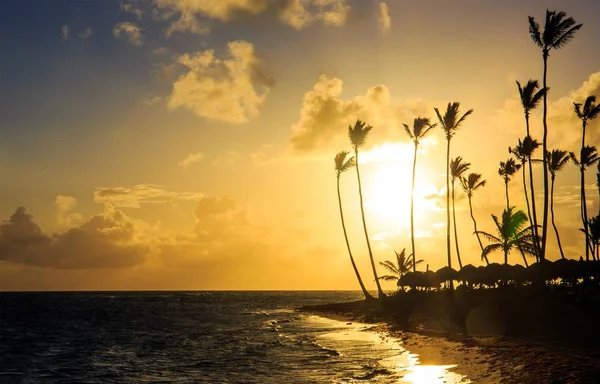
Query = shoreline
x=483 y=358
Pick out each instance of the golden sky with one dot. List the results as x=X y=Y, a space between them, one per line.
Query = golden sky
x=180 y=144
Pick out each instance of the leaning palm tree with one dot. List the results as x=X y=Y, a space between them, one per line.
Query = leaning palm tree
x=523 y=152
x=512 y=233
x=421 y=126
x=402 y=266
x=589 y=156
x=450 y=123
x=457 y=168
x=470 y=184
x=556 y=161
x=343 y=164
x=558 y=31
x=507 y=169
x=358 y=135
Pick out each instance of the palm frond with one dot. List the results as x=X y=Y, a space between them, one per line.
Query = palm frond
x=342 y=164
x=534 y=32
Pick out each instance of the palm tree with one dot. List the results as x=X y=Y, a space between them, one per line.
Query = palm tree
x=420 y=128
x=511 y=234
x=598 y=186
x=594 y=225
x=523 y=152
x=556 y=161
x=457 y=168
x=343 y=164
x=589 y=112
x=507 y=170
x=403 y=265
x=589 y=156
x=558 y=31
x=358 y=135
x=450 y=123
x=470 y=184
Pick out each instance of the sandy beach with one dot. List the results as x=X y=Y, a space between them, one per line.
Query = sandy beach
x=484 y=358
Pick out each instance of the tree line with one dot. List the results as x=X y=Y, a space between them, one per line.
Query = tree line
x=515 y=229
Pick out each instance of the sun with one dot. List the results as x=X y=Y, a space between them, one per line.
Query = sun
x=388 y=189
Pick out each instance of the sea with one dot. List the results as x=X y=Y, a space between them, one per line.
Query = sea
x=197 y=337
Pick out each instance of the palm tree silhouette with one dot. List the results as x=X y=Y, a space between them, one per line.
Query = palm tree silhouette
x=450 y=123
x=589 y=156
x=420 y=128
x=556 y=161
x=558 y=31
x=598 y=186
x=403 y=265
x=511 y=234
x=457 y=168
x=523 y=152
x=343 y=164
x=589 y=112
x=594 y=225
x=507 y=170
x=358 y=135
x=470 y=184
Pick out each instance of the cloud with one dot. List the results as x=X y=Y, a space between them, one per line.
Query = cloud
x=191 y=158
x=132 y=8
x=160 y=51
x=385 y=22
x=301 y=13
x=108 y=240
x=325 y=116
x=64 y=30
x=230 y=89
x=65 y=216
x=135 y=196
x=86 y=33
x=295 y=13
x=130 y=31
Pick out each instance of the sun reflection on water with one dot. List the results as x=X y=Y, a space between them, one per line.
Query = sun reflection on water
x=428 y=374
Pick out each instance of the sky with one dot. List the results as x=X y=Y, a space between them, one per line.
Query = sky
x=189 y=144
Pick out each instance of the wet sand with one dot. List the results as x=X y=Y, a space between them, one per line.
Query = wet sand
x=483 y=359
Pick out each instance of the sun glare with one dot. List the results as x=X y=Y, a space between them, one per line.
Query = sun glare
x=387 y=194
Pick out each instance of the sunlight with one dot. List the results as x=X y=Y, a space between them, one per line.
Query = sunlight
x=388 y=192
x=428 y=374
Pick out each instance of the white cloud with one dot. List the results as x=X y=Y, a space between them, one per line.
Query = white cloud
x=191 y=158
x=301 y=13
x=128 y=30
x=385 y=21
x=65 y=216
x=230 y=89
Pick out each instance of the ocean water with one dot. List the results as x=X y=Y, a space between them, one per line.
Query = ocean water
x=196 y=337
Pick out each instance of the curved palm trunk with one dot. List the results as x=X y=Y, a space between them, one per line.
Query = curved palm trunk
x=412 y=209
x=528 y=208
x=360 y=282
x=545 y=163
x=475 y=229
x=455 y=230
x=562 y=255
x=536 y=234
x=362 y=212
x=448 y=251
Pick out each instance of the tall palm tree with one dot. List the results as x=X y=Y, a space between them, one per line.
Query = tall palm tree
x=450 y=123
x=507 y=169
x=402 y=266
x=358 y=135
x=470 y=184
x=530 y=97
x=589 y=156
x=558 y=31
x=343 y=164
x=512 y=233
x=457 y=168
x=589 y=112
x=523 y=152
x=556 y=161
x=421 y=126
